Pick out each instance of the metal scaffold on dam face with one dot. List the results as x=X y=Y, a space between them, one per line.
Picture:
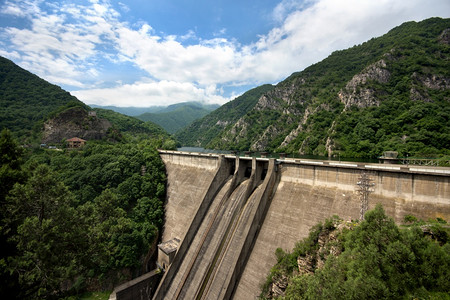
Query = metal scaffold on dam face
x=228 y=214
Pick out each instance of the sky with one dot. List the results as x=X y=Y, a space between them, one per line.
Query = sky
x=159 y=52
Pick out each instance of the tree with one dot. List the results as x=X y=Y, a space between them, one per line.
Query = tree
x=378 y=261
x=10 y=173
x=42 y=224
x=11 y=163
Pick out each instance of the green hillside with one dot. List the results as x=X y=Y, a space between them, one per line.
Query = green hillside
x=79 y=220
x=129 y=111
x=26 y=99
x=202 y=131
x=129 y=124
x=389 y=93
x=177 y=116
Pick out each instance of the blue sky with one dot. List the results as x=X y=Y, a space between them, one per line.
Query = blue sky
x=149 y=52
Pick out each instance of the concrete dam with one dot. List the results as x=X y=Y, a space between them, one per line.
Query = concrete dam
x=226 y=215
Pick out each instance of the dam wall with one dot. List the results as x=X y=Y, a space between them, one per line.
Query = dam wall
x=188 y=179
x=300 y=194
x=207 y=190
x=308 y=192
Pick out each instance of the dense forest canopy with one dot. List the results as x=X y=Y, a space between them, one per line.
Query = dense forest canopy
x=374 y=259
x=73 y=220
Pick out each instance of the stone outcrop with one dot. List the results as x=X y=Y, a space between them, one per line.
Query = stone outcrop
x=357 y=93
x=421 y=83
x=444 y=38
x=278 y=287
x=306 y=265
x=74 y=122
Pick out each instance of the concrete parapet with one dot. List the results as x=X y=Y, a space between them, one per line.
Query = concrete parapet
x=201 y=161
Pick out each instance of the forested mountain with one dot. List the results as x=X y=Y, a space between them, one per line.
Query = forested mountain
x=26 y=99
x=38 y=111
x=389 y=93
x=202 y=131
x=131 y=124
x=177 y=116
x=74 y=220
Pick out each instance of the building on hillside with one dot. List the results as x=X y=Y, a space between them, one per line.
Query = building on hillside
x=75 y=142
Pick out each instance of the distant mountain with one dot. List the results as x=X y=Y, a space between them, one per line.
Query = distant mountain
x=389 y=93
x=177 y=116
x=36 y=110
x=130 y=111
x=204 y=130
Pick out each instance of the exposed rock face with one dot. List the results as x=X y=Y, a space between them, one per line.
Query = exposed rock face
x=294 y=133
x=356 y=94
x=240 y=128
x=445 y=37
x=262 y=142
x=432 y=82
x=278 y=288
x=328 y=245
x=222 y=123
x=74 y=122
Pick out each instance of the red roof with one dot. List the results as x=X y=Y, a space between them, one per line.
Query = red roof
x=75 y=139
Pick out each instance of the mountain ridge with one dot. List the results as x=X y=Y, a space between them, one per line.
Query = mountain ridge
x=37 y=111
x=389 y=93
x=177 y=116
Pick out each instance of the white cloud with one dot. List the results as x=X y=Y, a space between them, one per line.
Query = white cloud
x=70 y=44
x=124 y=7
x=60 y=47
x=151 y=93
x=21 y=9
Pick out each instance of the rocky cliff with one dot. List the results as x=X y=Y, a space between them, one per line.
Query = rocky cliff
x=74 y=122
x=328 y=244
x=378 y=96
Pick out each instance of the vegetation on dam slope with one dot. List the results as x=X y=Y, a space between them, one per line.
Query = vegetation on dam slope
x=374 y=259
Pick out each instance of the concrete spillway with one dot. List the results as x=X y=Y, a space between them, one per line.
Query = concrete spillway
x=209 y=268
x=230 y=214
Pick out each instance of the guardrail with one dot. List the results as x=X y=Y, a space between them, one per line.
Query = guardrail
x=408 y=168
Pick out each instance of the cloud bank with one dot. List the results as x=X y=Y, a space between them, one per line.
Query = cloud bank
x=91 y=51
